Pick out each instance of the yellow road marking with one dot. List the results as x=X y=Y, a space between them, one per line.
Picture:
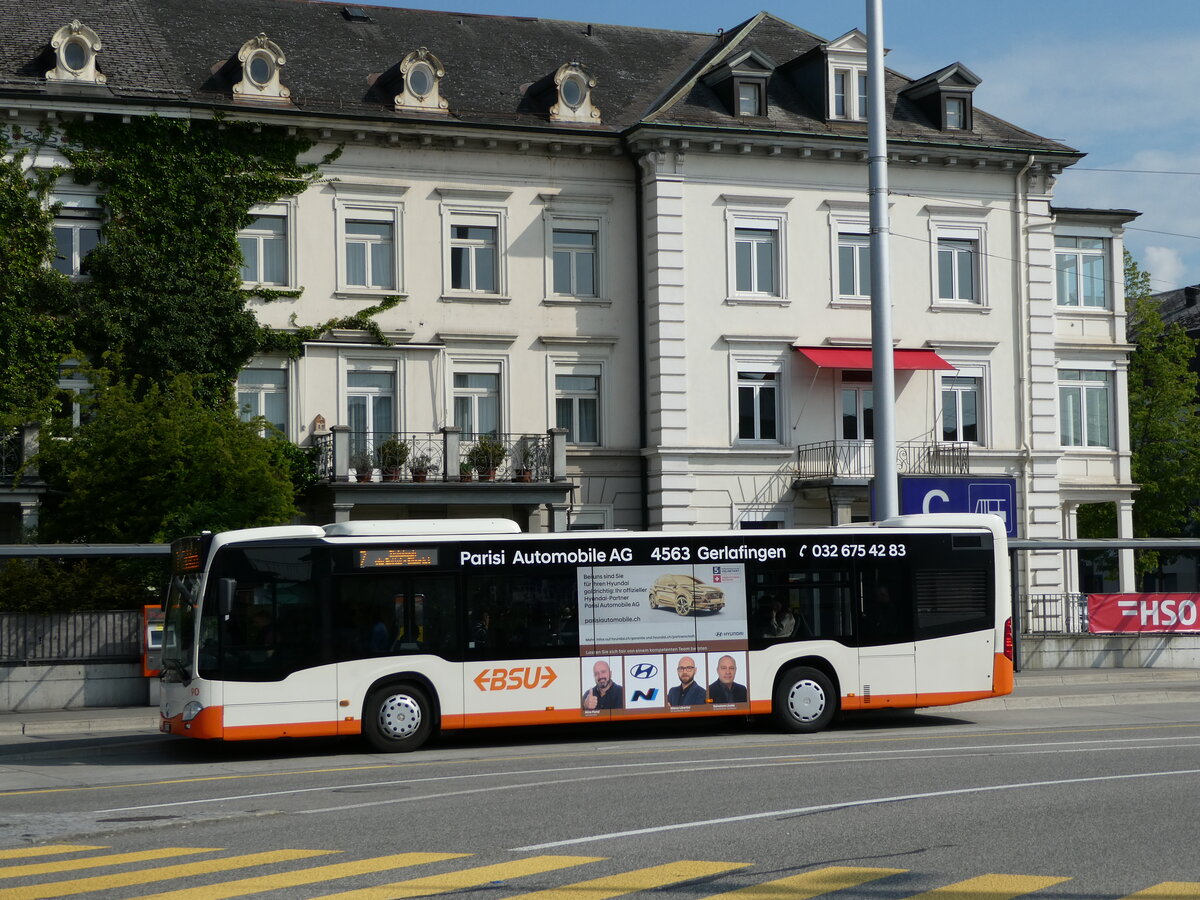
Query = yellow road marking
x=464 y=879
x=990 y=887
x=245 y=886
x=95 y=862
x=47 y=850
x=810 y=884
x=1169 y=890
x=641 y=751
x=161 y=873
x=637 y=880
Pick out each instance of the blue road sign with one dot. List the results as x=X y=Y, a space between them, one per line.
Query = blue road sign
x=961 y=494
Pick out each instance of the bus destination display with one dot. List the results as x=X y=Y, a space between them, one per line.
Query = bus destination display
x=397 y=556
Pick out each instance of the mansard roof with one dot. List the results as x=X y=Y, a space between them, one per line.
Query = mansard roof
x=166 y=54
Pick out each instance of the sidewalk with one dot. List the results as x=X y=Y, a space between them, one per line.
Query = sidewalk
x=1035 y=689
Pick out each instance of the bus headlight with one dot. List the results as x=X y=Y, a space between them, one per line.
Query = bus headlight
x=191 y=710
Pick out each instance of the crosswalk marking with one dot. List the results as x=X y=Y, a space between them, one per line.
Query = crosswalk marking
x=463 y=879
x=637 y=880
x=95 y=862
x=160 y=873
x=810 y=884
x=1169 y=890
x=991 y=887
x=244 y=886
x=48 y=850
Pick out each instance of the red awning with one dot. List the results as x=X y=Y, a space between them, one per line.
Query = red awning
x=860 y=358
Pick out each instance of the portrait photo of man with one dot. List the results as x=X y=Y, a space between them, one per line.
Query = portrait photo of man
x=606 y=694
x=688 y=692
x=726 y=689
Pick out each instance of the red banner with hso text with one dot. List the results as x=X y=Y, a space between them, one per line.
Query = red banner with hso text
x=1143 y=613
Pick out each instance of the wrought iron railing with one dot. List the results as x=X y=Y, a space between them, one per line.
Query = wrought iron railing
x=107 y=636
x=856 y=459
x=1055 y=614
x=416 y=457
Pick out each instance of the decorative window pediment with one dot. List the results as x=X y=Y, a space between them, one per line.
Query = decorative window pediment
x=573 y=100
x=945 y=97
x=741 y=82
x=75 y=49
x=421 y=76
x=846 y=76
x=261 y=60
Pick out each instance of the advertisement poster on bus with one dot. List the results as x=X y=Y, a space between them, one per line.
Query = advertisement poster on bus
x=663 y=637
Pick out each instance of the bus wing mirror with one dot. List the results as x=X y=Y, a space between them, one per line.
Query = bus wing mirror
x=226 y=588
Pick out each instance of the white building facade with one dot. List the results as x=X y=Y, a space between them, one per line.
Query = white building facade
x=636 y=260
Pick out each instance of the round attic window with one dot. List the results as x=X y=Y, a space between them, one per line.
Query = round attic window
x=420 y=80
x=260 y=69
x=74 y=55
x=572 y=92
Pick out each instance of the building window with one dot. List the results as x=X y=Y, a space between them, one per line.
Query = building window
x=370 y=413
x=854 y=265
x=960 y=409
x=477 y=403
x=264 y=247
x=574 y=253
x=756 y=256
x=1085 y=408
x=370 y=254
x=757 y=405
x=858 y=407
x=958 y=270
x=473 y=258
x=849 y=94
x=73 y=240
x=750 y=98
x=577 y=404
x=263 y=392
x=1081 y=269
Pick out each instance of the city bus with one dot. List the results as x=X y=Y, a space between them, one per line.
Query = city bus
x=396 y=630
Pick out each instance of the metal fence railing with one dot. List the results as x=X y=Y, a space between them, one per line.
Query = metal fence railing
x=1055 y=614
x=82 y=637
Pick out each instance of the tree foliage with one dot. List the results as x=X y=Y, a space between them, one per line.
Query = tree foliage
x=1164 y=430
x=153 y=464
x=34 y=299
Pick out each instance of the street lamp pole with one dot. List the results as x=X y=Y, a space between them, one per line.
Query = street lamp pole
x=882 y=366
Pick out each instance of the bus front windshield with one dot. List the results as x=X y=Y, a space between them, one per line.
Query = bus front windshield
x=179 y=627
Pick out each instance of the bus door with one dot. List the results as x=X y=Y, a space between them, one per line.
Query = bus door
x=272 y=649
x=379 y=617
x=887 y=650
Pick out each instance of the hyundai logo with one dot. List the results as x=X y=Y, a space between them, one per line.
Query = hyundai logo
x=644 y=670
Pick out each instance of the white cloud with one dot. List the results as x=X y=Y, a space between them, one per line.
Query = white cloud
x=1164 y=265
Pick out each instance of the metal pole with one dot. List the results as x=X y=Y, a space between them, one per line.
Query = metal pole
x=883 y=372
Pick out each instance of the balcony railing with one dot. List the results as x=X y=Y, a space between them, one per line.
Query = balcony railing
x=856 y=459
x=443 y=456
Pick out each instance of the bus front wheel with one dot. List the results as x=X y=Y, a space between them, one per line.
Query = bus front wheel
x=804 y=700
x=398 y=718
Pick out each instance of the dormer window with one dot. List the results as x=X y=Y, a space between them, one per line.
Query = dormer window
x=261 y=59
x=573 y=103
x=741 y=82
x=421 y=75
x=945 y=97
x=75 y=49
x=846 y=77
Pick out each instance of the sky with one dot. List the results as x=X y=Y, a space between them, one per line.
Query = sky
x=1116 y=79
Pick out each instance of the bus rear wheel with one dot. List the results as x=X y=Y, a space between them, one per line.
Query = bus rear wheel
x=804 y=700
x=398 y=718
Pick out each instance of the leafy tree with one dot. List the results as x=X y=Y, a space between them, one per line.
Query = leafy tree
x=1164 y=430
x=154 y=463
x=34 y=299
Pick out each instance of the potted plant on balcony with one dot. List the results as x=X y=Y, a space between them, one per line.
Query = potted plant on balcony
x=421 y=465
x=392 y=455
x=464 y=471
x=362 y=462
x=523 y=456
x=485 y=457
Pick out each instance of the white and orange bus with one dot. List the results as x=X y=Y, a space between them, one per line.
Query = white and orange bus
x=396 y=629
